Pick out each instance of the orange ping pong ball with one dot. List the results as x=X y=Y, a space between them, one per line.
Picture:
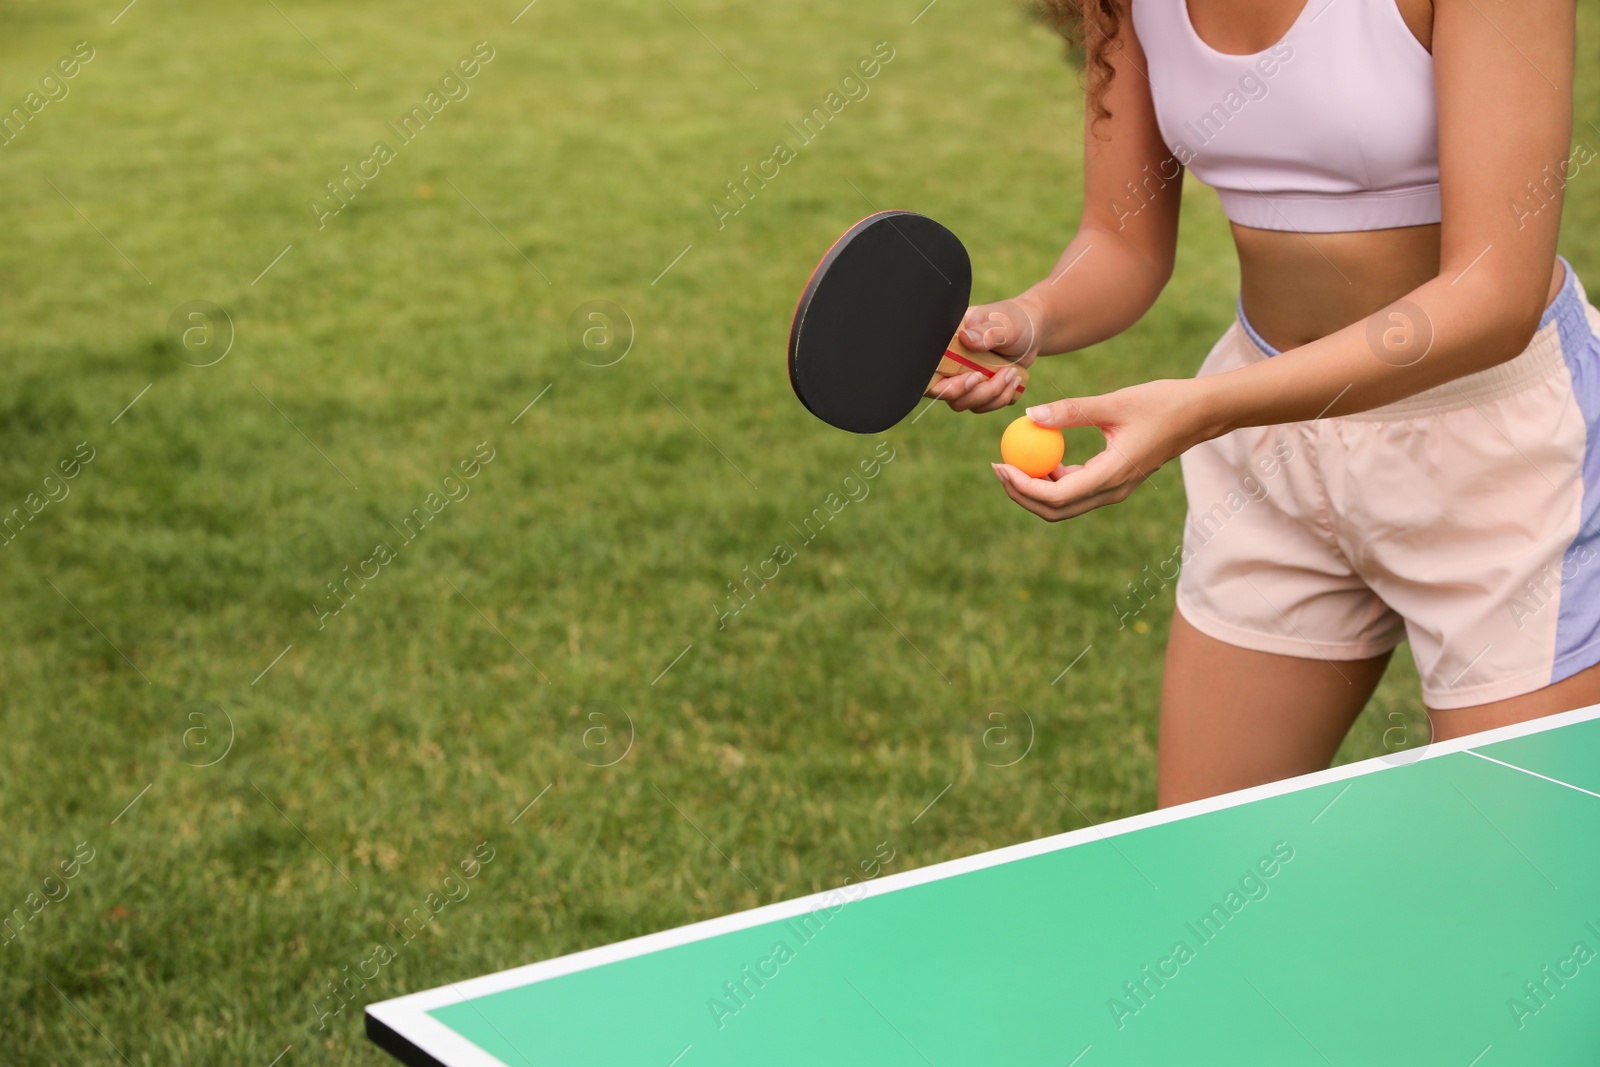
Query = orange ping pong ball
x=1033 y=449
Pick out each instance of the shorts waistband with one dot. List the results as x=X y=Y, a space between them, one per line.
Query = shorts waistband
x=1534 y=364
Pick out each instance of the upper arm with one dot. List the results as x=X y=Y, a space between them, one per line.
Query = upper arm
x=1503 y=78
x=1132 y=183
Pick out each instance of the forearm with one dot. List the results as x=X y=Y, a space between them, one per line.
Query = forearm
x=1101 y=285
x=1445 y=329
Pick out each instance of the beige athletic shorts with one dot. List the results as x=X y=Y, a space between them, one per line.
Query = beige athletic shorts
x=1465 y=519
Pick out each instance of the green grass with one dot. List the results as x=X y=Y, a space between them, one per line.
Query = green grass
x=384 y=746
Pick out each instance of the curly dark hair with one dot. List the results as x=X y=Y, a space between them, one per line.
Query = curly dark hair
x=1091 y=30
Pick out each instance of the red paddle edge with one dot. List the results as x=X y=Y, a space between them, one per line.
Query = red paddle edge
x=811 y=287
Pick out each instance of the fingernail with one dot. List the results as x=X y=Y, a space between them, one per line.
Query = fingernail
x=973 y=379
x=1011 y=376
x=972 y=337
x=1039 y=414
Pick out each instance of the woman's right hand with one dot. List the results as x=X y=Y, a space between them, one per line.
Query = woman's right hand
x=1007 y=328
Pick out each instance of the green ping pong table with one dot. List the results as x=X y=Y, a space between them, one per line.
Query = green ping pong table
x=1440 y=907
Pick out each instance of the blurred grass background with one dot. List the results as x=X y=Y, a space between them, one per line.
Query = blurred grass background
x=592 y=553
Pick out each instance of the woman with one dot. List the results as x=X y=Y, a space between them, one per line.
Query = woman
x=1399 y=437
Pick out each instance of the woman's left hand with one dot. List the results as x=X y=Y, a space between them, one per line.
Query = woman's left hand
x=1145 y=426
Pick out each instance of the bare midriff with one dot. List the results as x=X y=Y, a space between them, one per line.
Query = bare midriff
x=1298 y=287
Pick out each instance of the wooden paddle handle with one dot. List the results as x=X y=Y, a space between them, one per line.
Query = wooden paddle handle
x=959 y=359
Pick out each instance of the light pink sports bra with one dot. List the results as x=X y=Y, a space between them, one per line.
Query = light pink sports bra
x=1332 y=129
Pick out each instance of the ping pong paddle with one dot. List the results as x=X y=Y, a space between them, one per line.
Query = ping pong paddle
x=875 y=327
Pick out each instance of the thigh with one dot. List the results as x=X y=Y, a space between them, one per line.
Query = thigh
x=1579 y=691
x=1233 y=717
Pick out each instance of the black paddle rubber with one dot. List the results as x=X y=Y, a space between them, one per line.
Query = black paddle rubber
x=875 y=318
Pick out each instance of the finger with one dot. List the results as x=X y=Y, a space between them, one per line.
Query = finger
x=1007 y=327
x=1071 y=411
x=953 y=387
x=1100 y=474
x=1044 y=511
x=1026 y=328
x=1008 y=394
x=1052 y=513
x=992 y=334
x=1088 y=504
x=981 y=397
x=1040 y=491
x=988 y=327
